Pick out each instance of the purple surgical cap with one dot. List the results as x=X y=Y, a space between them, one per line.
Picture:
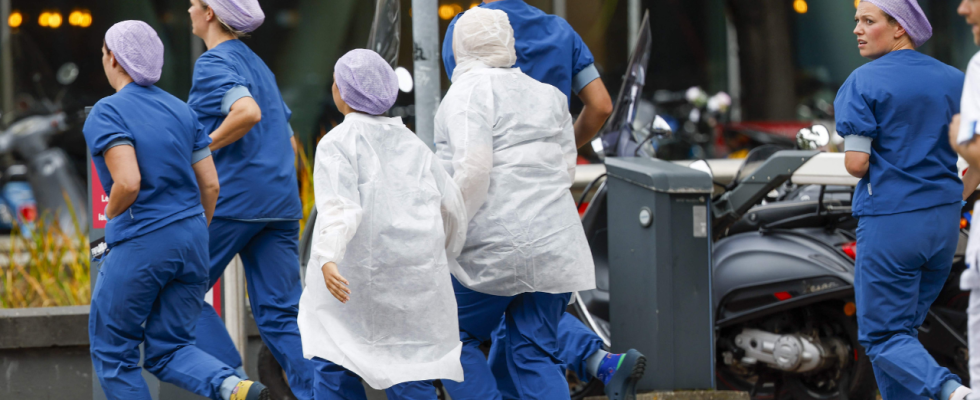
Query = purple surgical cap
x=242 y=15
x=910 y=16
x=138 y=49
x=366 y=81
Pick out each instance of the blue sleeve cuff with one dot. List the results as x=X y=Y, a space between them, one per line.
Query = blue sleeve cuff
x=291 y=133
x=584 y=77
x=199 y=155
x=857 y=143
x=118 y=142
x=232 y=96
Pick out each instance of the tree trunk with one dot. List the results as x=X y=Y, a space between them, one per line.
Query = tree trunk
x=765 y=59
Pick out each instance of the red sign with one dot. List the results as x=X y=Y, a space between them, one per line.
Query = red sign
x=99 y=201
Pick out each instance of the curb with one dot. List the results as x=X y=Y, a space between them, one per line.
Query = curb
x=687 y=395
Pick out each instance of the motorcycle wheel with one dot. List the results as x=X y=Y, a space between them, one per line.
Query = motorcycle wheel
x=857 y=376
x=272 y=376
x=581 y=390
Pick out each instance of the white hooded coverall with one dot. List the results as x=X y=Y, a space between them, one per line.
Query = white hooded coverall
x=392 y=220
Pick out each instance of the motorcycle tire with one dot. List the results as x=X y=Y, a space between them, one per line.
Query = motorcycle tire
x=857 y=376
x=582 y=390
x=272 y=376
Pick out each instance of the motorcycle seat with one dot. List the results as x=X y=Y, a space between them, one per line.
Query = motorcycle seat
x=763 y=215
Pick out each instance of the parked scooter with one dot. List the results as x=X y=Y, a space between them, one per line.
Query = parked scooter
x=39 y=180
x=783 y=269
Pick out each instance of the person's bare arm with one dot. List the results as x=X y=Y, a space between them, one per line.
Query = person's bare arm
x=598 y=107
x=970 y=151
x=970 y=181
x=856 y=163
x=207 y=182
x=126 y=178
x=244 y=114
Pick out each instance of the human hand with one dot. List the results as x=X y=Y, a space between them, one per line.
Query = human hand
x=336 y=283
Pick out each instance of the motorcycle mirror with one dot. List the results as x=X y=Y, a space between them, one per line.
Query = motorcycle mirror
x=660 y=127
x=702 y=165
x=812 y=138
x=67 y=73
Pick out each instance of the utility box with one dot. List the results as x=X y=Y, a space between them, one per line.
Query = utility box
x=660 y=270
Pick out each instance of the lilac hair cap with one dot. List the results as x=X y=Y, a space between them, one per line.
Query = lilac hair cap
x=138 y=49
x=242 y=15
x=366 y=82
x=910 y=16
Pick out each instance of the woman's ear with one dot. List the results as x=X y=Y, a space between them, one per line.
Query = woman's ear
x=209 y=14
x=900 y=31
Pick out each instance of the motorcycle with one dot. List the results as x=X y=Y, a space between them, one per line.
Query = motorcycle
x=783 y=268
x=38 y=180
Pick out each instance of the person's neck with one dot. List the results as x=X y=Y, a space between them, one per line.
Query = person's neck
x=216 y=36
x=904 y=44
x=120 y=81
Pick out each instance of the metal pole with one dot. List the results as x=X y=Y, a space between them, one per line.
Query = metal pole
x=633 y=17
x=560 y=8
x=734 y=70
x=425 y=35
x=6 y=64
x=234 y=295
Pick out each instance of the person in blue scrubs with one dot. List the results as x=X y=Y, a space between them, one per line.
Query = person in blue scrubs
x=237 y=100
x=151 y=153
x=551 y=52
x=895 y=132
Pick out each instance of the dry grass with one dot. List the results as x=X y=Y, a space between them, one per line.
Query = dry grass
x=304 y=172
x=46 y=269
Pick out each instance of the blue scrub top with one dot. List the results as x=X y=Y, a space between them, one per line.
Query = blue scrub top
x=165 y=134
x=548 y=49
x=257 y=175
x=897 y=108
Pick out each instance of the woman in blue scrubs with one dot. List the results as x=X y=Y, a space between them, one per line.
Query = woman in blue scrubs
x=150 y=154
x=893 y=113
x=237 y=100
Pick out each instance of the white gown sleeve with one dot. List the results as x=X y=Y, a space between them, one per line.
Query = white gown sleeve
x=453 y=211
x=469 y=127
x=338 y=205
x=568 y=148
x=970 y=102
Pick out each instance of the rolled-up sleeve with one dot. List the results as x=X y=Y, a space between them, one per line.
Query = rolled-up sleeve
x=857 y=143
x=585 y=77
x=232 y=96
x=199 y=155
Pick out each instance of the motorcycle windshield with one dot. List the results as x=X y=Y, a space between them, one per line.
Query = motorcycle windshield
x=385 y=34
x=616 y=134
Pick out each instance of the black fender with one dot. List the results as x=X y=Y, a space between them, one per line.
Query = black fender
x=757 y=273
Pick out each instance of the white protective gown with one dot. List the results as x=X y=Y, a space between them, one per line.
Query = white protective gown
x=970 y=280
x=508 y=141
x=387 y=213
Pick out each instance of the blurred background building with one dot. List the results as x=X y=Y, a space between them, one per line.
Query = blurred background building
x=780 y=60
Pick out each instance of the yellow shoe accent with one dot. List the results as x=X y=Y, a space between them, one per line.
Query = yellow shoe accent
x=241 y=390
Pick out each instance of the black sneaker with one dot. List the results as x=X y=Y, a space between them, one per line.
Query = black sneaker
x=622 y=385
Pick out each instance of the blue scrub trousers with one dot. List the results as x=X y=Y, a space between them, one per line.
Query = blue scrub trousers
x=159 y=278
x=333 y=382
x=578 y=343
x=903 y=261
x=270 y=255
x=527 y=366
